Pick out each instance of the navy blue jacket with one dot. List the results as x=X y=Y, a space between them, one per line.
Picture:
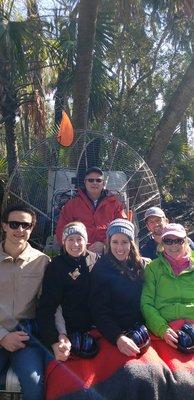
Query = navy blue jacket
x=114 y=299
x=149 y=249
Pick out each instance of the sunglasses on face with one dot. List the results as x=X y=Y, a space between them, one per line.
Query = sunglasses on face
x=96 y=180
x=17 y=224
x=169 y=242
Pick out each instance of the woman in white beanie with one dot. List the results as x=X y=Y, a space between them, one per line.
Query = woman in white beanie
x=66 y=283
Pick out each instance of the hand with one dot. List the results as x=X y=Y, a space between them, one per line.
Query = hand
x=62 y=348
x=127 y=346
x=14 y=341
x=96 y=247
x=171 y=337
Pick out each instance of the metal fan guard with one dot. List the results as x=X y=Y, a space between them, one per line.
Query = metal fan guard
x=49 y=174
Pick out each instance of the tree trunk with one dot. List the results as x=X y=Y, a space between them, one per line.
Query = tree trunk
x=173 y=115
x=8 y=107
x=25 y=127
x=9 y=112
x=183 y=129
x=88 y=11
x=38 y=109
x=61 y=98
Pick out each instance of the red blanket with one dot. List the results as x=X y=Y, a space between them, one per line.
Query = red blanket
x=160 y=373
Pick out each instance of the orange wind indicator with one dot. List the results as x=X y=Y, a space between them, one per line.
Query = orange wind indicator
x=130 y=215
x=65 y=134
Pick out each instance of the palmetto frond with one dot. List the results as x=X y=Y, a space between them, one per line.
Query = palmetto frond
x=13 y=35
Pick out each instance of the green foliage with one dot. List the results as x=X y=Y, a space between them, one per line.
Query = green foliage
x=3 y=166
x=176 y=175
x=142 y=49
x=13 y=37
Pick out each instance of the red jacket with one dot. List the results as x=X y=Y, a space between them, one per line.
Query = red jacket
x=96 y=220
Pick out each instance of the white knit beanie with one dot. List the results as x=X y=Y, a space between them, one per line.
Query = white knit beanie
x=76 y=228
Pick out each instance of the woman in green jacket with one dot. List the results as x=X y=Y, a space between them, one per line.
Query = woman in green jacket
x=168 y=293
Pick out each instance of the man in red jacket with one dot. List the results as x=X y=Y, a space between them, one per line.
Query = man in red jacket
x=95 y=207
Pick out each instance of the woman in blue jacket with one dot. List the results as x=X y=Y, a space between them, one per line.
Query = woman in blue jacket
x=116 y=286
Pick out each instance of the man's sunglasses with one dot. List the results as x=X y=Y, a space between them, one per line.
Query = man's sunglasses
x=17 y=224
x=92 y=180
x=169 y=242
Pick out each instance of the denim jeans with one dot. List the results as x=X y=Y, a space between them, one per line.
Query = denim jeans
x=28 y=364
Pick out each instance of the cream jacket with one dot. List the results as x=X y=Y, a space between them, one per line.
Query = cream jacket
x=20 y=284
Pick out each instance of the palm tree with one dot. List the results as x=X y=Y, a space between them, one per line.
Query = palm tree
x=99 y=96
x=11 y=65
x=172 y=116
x=183 y=12
x=37 y=103
x=20 y=71
x=85 y=46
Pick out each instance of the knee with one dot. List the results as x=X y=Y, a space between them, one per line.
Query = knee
x=34 y=388
x=144 y=375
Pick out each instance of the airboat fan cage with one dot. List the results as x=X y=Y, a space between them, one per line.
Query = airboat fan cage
x=49 y=174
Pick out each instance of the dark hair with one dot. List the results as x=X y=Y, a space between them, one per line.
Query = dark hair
x=136 y=265
x=17 y=207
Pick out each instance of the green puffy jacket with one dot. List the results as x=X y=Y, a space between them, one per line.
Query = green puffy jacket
x=167 y=297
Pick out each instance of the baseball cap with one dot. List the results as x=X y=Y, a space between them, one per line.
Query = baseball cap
x=174 y=229
x=94 y=169
x=155 y=212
